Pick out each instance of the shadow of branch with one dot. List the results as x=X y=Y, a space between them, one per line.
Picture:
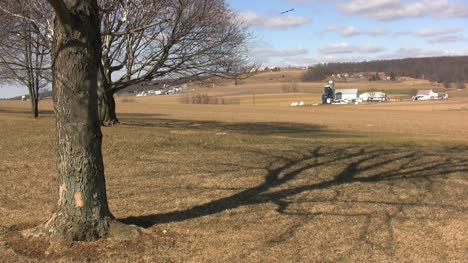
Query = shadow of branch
x=365 y=165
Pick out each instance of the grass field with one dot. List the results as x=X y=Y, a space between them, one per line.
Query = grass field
x=256 y=182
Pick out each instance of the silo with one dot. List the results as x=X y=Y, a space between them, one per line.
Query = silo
x=328 y=92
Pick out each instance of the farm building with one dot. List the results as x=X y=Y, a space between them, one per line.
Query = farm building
x=426 y=95
x=328 y=92
x=346 y=95
x=373 y=96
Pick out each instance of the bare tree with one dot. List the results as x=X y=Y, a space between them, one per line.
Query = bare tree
x=82 y=211
x=177 y=47
x=25 y=46
x=167 y=40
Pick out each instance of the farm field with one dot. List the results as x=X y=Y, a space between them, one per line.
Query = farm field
x=256 y=181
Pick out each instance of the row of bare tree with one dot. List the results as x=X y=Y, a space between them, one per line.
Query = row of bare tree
x=141 y=40
x=25 y=46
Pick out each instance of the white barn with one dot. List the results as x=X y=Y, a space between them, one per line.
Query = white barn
x=373 y=96
x=346 y=95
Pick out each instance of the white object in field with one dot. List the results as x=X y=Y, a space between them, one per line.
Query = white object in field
x=294 y=104
x=301 y=103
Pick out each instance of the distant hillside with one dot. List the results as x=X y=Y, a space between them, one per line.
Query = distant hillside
x=438 y=69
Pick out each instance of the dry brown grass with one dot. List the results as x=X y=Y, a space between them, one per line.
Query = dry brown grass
x=424 y=118
x=263 y=183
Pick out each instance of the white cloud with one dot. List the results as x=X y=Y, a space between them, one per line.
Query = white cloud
x=397 y=9
x=431 y=32
x=370 y=49
x=264 y=53
x=300 y=61
x=270 y=52
x=276 y=23
x=341 y=48
x=345 y=48
x=377 y=32
x=446 y=39
x=350 y=31
x=335 y=59
x=402 y=33
x=309 y=1
x=435 y=35
x=367 y=6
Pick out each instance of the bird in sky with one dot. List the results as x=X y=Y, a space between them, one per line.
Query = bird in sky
x=287 y=11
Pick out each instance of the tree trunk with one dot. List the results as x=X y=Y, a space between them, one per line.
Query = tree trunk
x=34 y=101
x=107 y=114
x=82 y=212
x=35 y=107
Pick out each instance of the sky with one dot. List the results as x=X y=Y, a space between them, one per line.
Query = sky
x=319 y=31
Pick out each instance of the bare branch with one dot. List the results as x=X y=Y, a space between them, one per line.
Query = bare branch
x=16 y=15
x=172 y=39
x=135 y=30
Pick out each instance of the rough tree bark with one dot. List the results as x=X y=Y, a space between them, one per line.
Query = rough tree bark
x=82 y=212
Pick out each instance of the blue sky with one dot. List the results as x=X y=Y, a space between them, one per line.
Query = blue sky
x=336 y=31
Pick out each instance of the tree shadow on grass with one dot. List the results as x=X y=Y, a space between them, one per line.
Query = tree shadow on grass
x=366 y=164
x=257 y=128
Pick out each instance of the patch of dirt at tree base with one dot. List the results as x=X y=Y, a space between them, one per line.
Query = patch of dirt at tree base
x=27 y=249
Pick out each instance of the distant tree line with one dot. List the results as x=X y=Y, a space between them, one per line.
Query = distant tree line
x=438 y=69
